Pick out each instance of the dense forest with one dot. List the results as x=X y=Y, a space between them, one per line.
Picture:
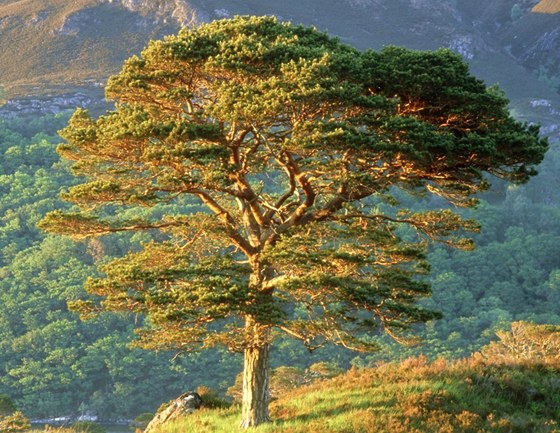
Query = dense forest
x=54 y=363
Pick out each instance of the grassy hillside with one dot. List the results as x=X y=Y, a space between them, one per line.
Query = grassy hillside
x=413 y=397
x=48 y=43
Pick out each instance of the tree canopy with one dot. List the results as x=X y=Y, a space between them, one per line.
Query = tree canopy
x=297 y=148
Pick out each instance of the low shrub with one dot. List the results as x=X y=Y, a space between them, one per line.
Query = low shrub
x=15 y=423
x=88 y=427
x=212 y=399
x=142 y=420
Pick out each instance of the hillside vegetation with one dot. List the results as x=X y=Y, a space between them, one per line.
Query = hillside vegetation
x=473 y=395
x=510 y=386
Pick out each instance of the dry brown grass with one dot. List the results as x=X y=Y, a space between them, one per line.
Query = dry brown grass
x=547 y=7
x=36 y=56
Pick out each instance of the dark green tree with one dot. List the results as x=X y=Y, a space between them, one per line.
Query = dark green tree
x=7 y=406
x=295 y=144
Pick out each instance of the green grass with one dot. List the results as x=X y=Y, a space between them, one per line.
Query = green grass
x=412 y=397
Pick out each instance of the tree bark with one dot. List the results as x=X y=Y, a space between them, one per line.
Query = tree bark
x=256 y=374
x=256 y=366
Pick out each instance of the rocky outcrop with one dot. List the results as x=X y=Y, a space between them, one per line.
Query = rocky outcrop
x=74 y=23
x=161 y=10
x=185 y=404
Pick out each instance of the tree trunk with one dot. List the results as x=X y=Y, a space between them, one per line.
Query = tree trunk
x=256 y=367
x=256 y=374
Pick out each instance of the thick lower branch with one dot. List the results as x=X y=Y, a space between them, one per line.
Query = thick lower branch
x=228 y=221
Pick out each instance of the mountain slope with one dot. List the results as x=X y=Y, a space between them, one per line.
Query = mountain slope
x=52 y=43
x=88 y=39
x=60 y=46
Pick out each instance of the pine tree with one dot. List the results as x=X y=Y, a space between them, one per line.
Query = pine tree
x=297 y=146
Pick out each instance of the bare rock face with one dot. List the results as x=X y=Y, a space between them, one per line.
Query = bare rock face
x=185 y=404
x=162 y=10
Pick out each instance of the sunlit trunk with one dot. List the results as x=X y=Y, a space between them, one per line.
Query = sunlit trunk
x=256 y=375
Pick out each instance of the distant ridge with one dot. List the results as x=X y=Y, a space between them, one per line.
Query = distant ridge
x=60 y=47
x=547 y=7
